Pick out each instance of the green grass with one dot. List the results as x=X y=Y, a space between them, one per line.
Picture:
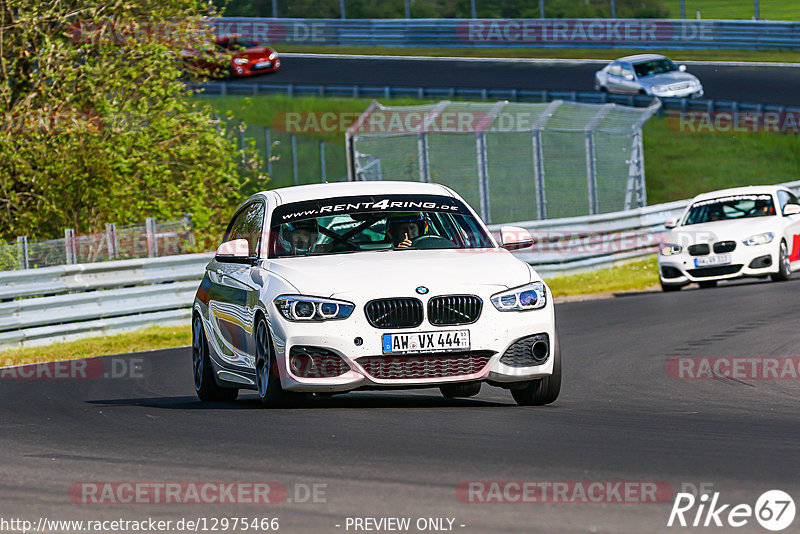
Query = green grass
x=680 y=165
x=156 y=337
x=637 y=275
x=736 y=9
x=781 y=56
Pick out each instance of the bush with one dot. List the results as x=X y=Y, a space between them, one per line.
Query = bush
x=96 y=124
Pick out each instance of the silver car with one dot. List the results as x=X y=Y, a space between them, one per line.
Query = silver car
x=648 y=74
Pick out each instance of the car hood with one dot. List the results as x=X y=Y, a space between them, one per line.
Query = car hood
x=256 y=52
x=399 y=273
x=712 y=232
x=668 y=78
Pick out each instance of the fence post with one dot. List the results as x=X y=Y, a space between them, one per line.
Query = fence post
x=538 y=174
x=408 y=9
x=613 y=9
x=268 y=139
x=111 y=238
x=150 y=230
x=323 y=170
x=757 y=9
x=483 y=177
x=472 y=9
x=541 y=9
x=683 y=9
x=294 y=160
x=591 y=157
x=275 y=9
x=422 y=157
x=341 y=8
x=22 y=244
x=69 y=245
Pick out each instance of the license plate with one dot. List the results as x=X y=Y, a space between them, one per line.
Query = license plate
x=263 y=65
x=719 y=259
x=416 y=342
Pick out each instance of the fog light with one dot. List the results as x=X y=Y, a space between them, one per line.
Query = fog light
x=296 y=364
x=539 y=350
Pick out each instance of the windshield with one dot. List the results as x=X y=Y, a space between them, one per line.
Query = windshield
x=657 y=66
x=732 y=207
x=371 y=223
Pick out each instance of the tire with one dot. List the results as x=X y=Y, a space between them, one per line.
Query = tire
x=452 y=391
x=666 y=288
x=784 y=265
x=205 y=385
x=707 y=284
x=268 y=381
x=542 y=390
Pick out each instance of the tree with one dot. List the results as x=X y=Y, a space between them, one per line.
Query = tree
x=96 y=125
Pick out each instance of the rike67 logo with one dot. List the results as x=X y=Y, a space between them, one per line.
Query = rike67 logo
x=774 y=510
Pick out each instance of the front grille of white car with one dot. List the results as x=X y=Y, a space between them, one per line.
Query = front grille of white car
x=437 y=365
x=394 y=313
x=679 y=86
x=724 y=246
x=453 y=310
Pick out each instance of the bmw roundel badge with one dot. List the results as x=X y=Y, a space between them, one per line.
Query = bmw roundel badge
x=422 y=290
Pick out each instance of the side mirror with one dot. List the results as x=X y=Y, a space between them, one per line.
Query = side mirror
x=515 y=238
x=672 y=223
x=682 y=68
x=236 y=251
x=629 y=77
x=791 y=209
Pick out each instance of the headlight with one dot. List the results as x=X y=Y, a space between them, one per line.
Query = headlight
x=302 y=308
x=671 y=250
x=661 y=88
x=759 y=239
x=241 y=60
x=273 y=55
x=528 y=297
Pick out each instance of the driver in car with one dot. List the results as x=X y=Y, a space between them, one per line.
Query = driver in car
x=300 y=237
x=404 y=228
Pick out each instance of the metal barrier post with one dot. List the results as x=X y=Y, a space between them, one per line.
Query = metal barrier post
x=294 y=160
x=323 y=171
x=483 y=177
x=69 y=245
x=538 y=174
x=269 y=151
x=152 y=245
x=422 y=156
x=111 y=238
x=22 y=244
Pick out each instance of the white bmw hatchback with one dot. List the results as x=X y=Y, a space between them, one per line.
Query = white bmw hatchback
x=331 y=288
x=733 y=233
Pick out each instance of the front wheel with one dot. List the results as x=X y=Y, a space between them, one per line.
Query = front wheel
x=784 y=265
x=268 y=381
x=542 y=390
x=205 y=385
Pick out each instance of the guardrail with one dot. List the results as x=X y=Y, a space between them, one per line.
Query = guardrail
x=533 y=33
x=577 y=244
x=223 y=88
x=41 y=306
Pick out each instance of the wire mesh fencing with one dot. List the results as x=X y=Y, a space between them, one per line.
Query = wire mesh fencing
x=517 y=161
x=153 y=239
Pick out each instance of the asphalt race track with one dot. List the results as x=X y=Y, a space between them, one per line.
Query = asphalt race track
x=758 y=84
x=620 y=418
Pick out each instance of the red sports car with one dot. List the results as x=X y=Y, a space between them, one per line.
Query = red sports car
x=232 y=56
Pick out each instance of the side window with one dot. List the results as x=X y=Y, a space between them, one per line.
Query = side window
x=785 y=197
x=235 y=225
x=615 y=70
x=625 y=70
x=247 y=224
x=251 y=227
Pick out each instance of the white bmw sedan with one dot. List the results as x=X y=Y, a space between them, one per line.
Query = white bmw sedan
x=733 y=233
x=330 y=288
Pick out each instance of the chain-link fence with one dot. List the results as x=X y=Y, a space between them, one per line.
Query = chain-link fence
x=152 y=239
x=516 y=161
x=290 y=159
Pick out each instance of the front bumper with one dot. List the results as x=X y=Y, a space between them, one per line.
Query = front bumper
x=754 y=261
x=490 y=338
